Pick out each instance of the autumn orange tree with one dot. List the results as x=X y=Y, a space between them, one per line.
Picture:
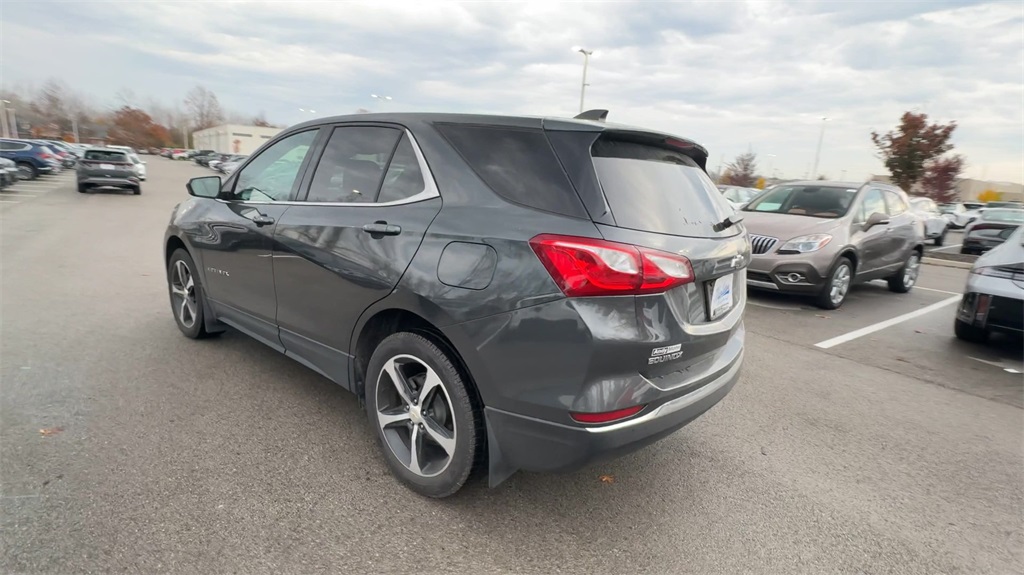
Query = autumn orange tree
x=134 y=127
x=742 y=171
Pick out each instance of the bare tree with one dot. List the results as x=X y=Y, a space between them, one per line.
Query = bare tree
x=203 y=107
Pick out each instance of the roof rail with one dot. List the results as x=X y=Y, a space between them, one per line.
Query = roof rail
x=597 y=115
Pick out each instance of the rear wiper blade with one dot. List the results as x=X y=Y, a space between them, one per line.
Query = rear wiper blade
x=727 y=223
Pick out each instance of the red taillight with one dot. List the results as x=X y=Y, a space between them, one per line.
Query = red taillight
x=44 y=155
x=590 y=267
x=607 y=416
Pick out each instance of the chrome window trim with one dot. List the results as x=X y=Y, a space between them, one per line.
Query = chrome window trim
x=430 y=190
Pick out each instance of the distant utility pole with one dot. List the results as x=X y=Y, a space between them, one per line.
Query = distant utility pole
x=74 y=129
x=817 y=154
x=586 y=62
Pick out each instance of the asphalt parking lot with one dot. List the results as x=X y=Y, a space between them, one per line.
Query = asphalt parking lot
x=862 y=440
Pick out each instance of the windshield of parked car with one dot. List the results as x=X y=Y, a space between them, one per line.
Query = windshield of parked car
x=949 y=208
x=106 y=156
x=1003 y=215
x=805 y=200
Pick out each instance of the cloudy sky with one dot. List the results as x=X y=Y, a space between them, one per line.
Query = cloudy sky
x=732 y=75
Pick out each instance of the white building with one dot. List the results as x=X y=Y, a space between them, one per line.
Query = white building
x=232 y=138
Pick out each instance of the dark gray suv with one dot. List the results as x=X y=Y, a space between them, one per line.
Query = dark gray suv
x=503 y=293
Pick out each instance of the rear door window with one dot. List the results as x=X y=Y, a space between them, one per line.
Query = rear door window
x=353 y=165
x=656 y=189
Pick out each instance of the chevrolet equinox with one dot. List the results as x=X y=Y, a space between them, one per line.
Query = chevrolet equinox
x=501 y=293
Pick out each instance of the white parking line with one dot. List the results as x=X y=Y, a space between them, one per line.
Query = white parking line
x=945 y=248
x=938 y=290
x=9 y=202
x=884 y=324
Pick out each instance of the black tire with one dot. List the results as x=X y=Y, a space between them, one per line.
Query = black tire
x=195 y=329
x=27 y=171
x=967 y=332
x=137 y=190
x=825 y=299
x=942 y=237
x=905 y=279
x=82 y=188
x=411 y=354
x=966 y=251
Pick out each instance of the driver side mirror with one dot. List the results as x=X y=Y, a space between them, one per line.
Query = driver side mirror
x=876 y=219
x=204 y=187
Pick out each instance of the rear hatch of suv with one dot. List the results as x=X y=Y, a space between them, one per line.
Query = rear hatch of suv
x=660 y=281
x=102 y=164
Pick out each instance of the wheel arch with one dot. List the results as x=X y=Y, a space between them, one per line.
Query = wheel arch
x=850 y=253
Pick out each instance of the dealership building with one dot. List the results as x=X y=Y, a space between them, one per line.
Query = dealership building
x=232 y=138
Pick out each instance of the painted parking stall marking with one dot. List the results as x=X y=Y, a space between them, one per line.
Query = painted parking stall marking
x=829 y=343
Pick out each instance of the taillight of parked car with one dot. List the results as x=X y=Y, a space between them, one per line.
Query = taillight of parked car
x=606 y=416
x=591 y=267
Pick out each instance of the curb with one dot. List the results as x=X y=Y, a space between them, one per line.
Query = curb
x=947 y=263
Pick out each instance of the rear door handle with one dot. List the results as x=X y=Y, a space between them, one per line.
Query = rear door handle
x=262 y=220
x=382 y=229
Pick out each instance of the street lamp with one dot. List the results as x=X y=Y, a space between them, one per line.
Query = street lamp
x=771 y=165
x=817 y=154
x=381 y=98
x=586 y=61
x=3 y=118
x=307 y=111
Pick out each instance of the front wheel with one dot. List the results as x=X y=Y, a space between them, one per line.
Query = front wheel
x=942 y=237
x=907 y=276
x=186 y=293
x=82 y=188
x=137 y=190
x=426 y=423
x=837 y=285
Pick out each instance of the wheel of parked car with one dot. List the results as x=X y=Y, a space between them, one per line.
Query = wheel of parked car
x=905 y=279
x=426 y=422
x=186 y=293
x=969 y=332
x=27 y=171
x=137 y=190
x=82 y=188
x=838 y=285
x=942 y=237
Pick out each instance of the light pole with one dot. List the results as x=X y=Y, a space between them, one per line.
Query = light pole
x=305 y=111
x=771 y=165
x=3 y=118
x=586 y=61
x=817 y=154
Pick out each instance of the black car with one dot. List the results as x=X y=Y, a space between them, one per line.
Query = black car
x=107 y=168
x=203 y=156
x=503 y=293
x=991 y=228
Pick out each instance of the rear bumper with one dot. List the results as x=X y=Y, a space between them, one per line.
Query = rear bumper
x=521 y=442
x=979 y=245
x=994 y=304
x=105 y=181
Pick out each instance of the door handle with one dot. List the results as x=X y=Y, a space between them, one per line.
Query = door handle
x=382 y=229
x=262 y=220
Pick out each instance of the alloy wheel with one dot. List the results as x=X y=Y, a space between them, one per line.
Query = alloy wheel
x=840 y=284
x=183 y=294
x=414 y=411
x=911 y=270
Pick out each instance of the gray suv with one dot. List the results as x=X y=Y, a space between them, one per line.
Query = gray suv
x=819 y=238
x=502 y=293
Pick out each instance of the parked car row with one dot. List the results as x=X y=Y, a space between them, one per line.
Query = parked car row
x=34 y=158
x=8 y=173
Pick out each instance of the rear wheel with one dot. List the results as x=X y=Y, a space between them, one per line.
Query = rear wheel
x=837 y=285
x=425 y=420
x=27 y=171
x=942 y=237
x=968 y=332
x=907 y=276
x=137 y=190
x=83 y=188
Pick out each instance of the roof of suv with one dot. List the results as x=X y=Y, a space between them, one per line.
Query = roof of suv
x=549 y=122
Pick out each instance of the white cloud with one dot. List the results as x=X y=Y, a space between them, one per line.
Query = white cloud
x=730 y=75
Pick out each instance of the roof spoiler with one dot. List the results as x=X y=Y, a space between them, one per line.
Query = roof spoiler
x=596 y=115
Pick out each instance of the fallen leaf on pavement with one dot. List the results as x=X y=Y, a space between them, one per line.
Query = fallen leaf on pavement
x=48 y=431
x=607 y=478
x=822 y=316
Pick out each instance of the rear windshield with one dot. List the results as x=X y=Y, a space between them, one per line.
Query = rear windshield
x=1003 y=215
x=106 y=156
x=814 y=201
x=658 y=190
